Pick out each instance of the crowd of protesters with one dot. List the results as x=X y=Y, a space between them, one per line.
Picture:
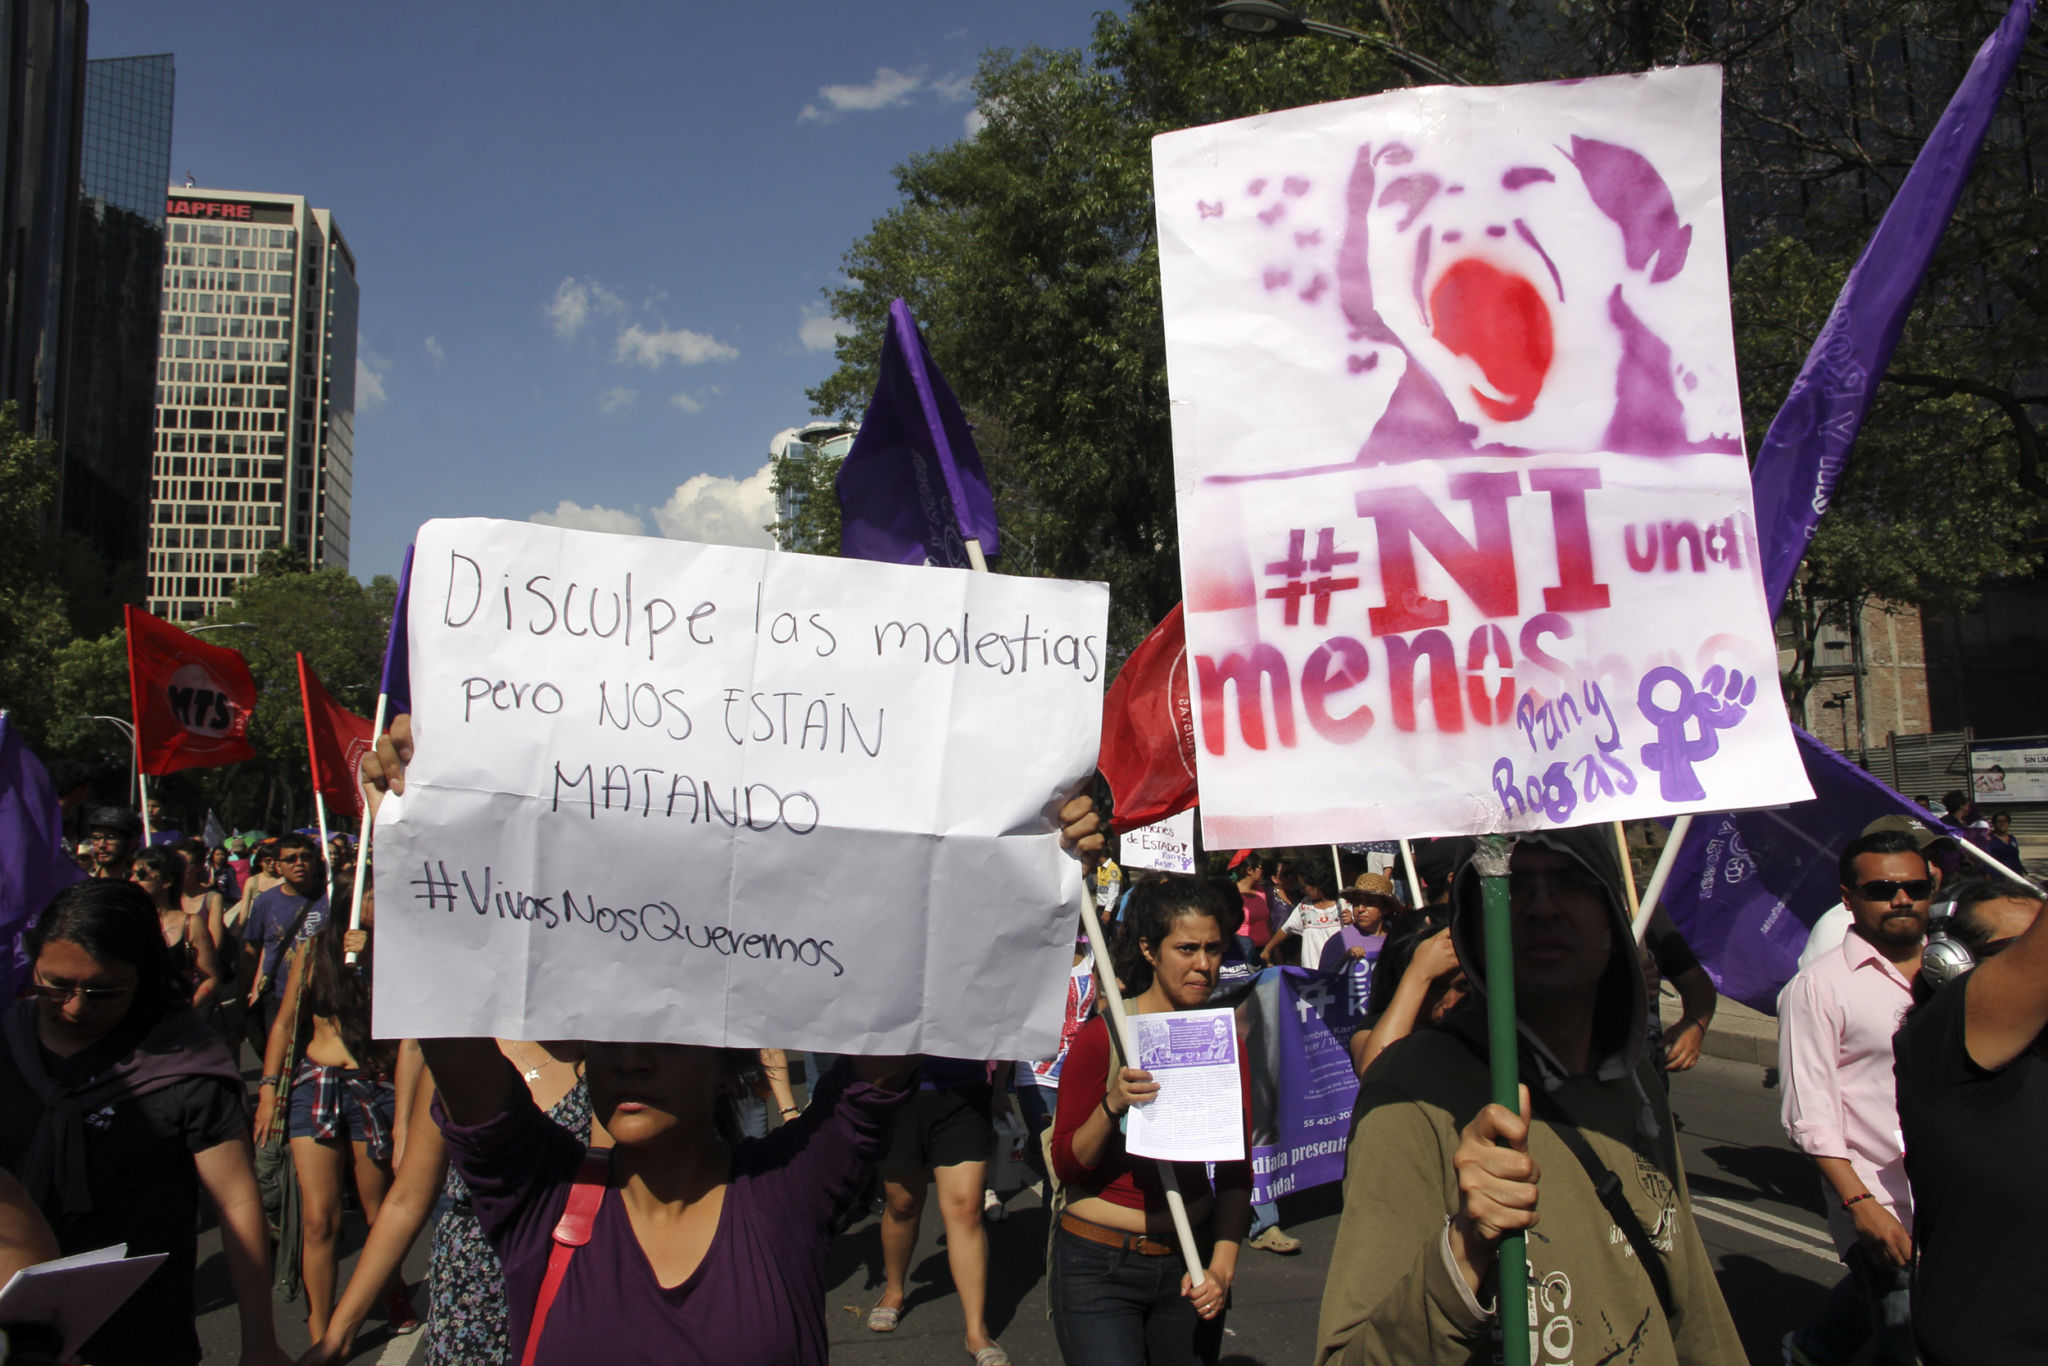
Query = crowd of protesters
x=677 y=1203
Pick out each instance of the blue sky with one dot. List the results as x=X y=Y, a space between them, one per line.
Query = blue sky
x=590 y=237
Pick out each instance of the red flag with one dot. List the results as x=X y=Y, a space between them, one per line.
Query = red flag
x=191 y=701
x=337 y=740
x=1148 y=730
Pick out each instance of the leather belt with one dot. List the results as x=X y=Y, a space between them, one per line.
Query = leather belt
x=1113 y=1237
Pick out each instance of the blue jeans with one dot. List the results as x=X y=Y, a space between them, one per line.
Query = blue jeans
x=1872 y=1301
x=1119 y=1308
x=1263 y=1217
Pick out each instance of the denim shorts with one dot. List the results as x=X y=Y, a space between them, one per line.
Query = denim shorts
x=1113 y=1307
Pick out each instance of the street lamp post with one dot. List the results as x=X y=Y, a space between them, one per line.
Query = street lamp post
x=134 y=760
x=1269 y=18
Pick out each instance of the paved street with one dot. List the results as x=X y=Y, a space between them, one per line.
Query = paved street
x=1757 y=1202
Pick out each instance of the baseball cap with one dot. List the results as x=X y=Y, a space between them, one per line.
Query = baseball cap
x=1923 y=835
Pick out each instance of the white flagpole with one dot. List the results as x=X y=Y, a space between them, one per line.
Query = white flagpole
x=1408 y=866
x=1995 y=866
x=363 y=836
x=1661 y=874
x=326 y=857
x=142 y=788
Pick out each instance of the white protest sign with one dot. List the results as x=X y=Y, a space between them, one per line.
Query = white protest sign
x=1465 y=523
x=1199 y=1114
x=1166 y=846
x=699 y=794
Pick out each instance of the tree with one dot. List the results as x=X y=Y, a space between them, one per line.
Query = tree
x=1027 y=252
x=1929 y=509
x=803 y=481
x=33 y=620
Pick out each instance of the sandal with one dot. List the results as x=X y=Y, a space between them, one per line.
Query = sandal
x=992 y=1355
x=1277 y=1239
x=883 y=1320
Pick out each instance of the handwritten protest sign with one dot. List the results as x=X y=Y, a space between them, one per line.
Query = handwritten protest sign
x=1166 y=846
x=1466 y=532
x=701 y=794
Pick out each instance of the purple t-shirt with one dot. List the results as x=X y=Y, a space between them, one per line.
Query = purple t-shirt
x=758 y=1295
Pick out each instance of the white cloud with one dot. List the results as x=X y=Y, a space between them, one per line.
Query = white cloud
x=616 y=399
x=576 y=517
x=721 y=511
x=435 y=352
x=888 y=89
x=370 y=368
x=819 y=331
x=973 y=121
x=651 y=347
x=953 y=89
x=685 y=402
x=575 y=302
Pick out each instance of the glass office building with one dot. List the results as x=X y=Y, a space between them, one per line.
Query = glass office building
x=116 y=273
x=255 y=416
x=42 y=77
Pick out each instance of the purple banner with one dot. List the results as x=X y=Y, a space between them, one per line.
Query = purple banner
x=1746 y=887
x=912 y=490
x=396 y=684
x=1807 y=446
x=1297 y=1027
x=33 y=864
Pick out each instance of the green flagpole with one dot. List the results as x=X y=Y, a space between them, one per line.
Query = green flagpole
x=1503 y=1050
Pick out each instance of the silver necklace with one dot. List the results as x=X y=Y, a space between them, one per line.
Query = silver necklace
x=532 y=1074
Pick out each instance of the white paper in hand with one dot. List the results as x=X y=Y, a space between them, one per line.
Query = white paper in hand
x=76 y=1294
x=1198 y=1115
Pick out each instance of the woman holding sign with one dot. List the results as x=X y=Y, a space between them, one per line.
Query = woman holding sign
x=1120 y=1289
x=684 y=1243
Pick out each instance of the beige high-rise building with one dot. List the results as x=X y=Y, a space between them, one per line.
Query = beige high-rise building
x=256 y=379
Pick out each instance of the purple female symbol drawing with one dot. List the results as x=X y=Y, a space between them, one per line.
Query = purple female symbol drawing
x=1721 y=700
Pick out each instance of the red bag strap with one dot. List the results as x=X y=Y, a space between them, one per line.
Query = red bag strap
x=572 y=1231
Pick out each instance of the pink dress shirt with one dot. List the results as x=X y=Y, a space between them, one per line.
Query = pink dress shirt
x=1835 y=1025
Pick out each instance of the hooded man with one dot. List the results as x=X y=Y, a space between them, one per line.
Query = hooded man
x=1413 y=1277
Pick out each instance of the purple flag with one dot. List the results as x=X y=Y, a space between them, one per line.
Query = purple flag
x=33 y=864
x=912 y=490
x=396 y=685
x=1297 y=1028
x=1807 y=446
x=1746 y=887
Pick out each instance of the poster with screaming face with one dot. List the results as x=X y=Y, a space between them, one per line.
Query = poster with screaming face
x=1466 y=530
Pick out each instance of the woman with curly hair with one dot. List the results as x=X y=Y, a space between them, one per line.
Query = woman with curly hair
x=1120 y=1289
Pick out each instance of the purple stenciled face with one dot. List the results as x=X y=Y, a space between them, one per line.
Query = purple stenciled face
x=1503 y=296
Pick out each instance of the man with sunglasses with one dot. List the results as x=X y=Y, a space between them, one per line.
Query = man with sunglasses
x=1836 y=1020
x=281 y=917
